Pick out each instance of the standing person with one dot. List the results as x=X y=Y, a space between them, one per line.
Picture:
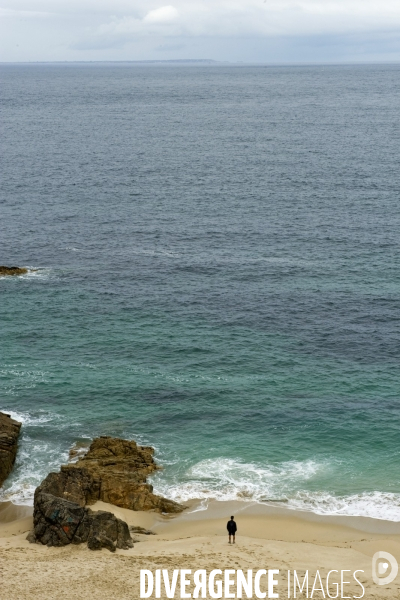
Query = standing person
x=232 y=529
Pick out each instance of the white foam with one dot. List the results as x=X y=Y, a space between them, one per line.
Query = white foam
x=19 y=493
x=27 y=419
x=277 y=485
x=35 y=458
x=34 y=461
x=39 y=274
x=377 y=505
x=228 y=479
x=292 y=484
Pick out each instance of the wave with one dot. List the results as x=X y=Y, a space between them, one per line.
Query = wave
x=39 y=452
x=34 y=461
x=29 y=419
x=229 y=479
x=39 y=273
x=286 y=484
x=376 y=505
x=281 y=485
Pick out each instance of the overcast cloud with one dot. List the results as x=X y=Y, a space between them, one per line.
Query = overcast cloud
x=235 y=30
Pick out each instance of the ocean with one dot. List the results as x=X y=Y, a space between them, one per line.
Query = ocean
x=217 y=260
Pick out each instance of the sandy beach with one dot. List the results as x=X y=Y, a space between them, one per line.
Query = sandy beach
x=268 y=538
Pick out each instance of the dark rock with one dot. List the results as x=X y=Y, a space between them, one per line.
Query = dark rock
x=114 y=471
x=56 y=521
x=31 y=538
x=76 y=485
x=105 y=526
x=12 y=270
x=9 y=432
x=141 y=530
x=97 y=542
x=59 y=522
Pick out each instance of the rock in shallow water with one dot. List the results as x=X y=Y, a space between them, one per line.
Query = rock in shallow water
x=114 y=471
x=9 y=432
x=12 y=270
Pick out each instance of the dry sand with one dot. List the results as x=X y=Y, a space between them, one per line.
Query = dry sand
x=267 y=538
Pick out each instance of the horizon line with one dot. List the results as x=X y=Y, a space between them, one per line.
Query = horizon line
x=203 y=60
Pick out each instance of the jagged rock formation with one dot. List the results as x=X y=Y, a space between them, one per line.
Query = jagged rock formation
x=58 y=522
x=12 y=270
x=9 y=432
x=113 y=470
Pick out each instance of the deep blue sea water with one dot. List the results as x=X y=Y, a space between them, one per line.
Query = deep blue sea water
x=218 y=258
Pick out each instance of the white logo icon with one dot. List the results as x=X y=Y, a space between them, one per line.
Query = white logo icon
x=379 y=568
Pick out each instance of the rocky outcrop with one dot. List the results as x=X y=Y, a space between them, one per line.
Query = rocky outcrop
x=9 y=432
x=114 y=471
x=59 y=522
x=12 y=270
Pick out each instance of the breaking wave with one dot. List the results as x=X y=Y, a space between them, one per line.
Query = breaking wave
x=290 y=484
x=38 y=454
x=277 y=485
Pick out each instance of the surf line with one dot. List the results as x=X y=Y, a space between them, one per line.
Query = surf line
x=232 y=583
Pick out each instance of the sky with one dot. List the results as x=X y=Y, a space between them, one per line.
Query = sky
x=261 y=31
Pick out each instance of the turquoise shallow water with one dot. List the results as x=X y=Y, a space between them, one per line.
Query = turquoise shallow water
x=218 y=276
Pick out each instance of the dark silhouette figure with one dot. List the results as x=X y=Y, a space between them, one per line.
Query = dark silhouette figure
x=232 y=529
